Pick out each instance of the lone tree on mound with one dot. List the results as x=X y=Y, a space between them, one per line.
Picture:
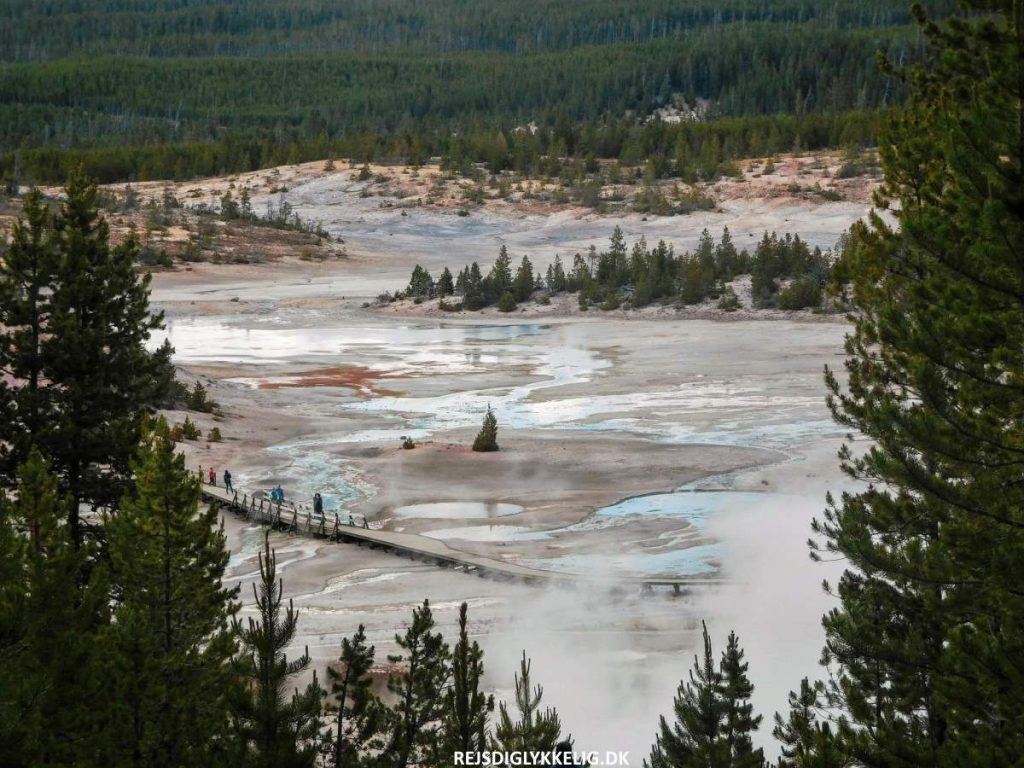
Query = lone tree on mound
x=487 y=440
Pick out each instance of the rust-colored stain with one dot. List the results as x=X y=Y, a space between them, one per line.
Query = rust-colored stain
x=362 y=380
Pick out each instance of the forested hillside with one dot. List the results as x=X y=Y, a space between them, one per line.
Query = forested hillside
x=47 y=29
x=393 y=79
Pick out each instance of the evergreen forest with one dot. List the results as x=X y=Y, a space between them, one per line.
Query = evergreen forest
x=163 y=89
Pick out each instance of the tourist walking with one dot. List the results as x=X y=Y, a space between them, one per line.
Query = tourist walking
x=213 y=476
x=318 y=504
x=227 y=481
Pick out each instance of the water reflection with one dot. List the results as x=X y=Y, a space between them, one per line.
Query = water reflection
x=220 y=340
x=455 y=510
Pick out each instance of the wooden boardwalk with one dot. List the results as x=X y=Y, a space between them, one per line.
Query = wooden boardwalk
x=300 y=519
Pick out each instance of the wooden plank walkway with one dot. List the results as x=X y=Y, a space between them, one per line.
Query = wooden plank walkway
x=302 y=520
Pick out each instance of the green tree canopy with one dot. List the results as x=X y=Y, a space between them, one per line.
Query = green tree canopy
x=171 y=637
x=487 y=439
x=928 y=638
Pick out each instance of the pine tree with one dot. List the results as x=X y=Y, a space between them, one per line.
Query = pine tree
x=806 y=741
x=617 y=245
x=466 y=707
x=928 y=639
x=52 y=607
x=727 y=264
x=501 y=273
x=693 y=282
x=740 y=721
x=26 y=274
x=536 y=730
x=358 y=719
x=473 y=296
x=100 y=376
x=413 y=721
x=171 y=637
x=696 y=736
x=445 y=285
x=556 y=275
x=278 y=733
x=487 y=439
x=421 y=284
x=522 y=285
x=706 y=269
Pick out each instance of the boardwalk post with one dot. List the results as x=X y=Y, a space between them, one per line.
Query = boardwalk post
x=337 y=525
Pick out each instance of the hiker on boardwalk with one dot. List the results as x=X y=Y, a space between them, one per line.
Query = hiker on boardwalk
x=318 y=504
x=351 y=520
x=227 y=481
x=366 y=525
x=202 y=475
x=213 y=476
x=277 y=495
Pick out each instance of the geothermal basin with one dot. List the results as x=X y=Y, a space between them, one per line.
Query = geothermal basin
x=635 y=448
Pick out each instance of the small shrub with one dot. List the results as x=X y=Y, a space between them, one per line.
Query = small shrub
x=445 y=306
x=801 y=293
x=364 y=172
x=151 y=257
x=612 y=302
x=189 y=430
x=192 y=252
x=408 y=443
x=507 y=302
x=731 y=169
x=487 y=439
x=199 y=400
x=694 y=200
x=214 y=435
x=729 y=301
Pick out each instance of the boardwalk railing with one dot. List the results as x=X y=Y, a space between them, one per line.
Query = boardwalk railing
x=300 y=519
